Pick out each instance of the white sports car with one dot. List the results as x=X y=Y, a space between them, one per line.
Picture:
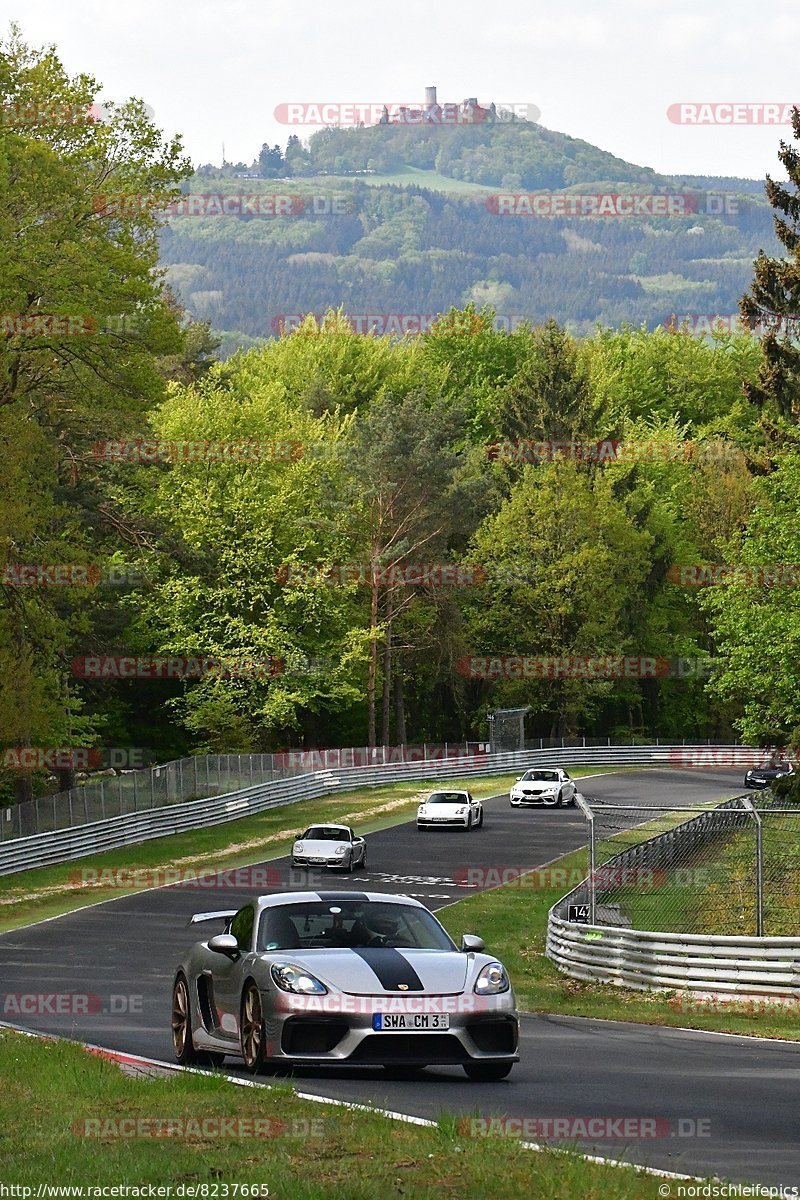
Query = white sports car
x=329 y=846
x=547 y=786
x=459 y=810
x=343 y=978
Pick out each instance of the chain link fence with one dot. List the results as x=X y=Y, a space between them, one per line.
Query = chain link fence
x=725 y=869
x=188 y=779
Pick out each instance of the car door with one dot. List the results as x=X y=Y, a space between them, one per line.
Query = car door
x=226 y=974
x=569 y=788
x=358 y=845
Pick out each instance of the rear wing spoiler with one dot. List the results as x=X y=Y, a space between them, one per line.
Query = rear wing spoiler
x=212 y=916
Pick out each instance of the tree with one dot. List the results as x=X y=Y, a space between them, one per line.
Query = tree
x=774 y=297
x=408 y=501
x=76 y=262
x=238 y=572
x=296 y=157
x=549 y=398
x=756 y=620
x=564 y=561
x=270 y=162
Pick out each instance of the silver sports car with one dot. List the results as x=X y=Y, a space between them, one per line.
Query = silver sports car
x=343 y=978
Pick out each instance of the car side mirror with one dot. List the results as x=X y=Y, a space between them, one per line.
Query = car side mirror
x=470 y=944
x=224 y=943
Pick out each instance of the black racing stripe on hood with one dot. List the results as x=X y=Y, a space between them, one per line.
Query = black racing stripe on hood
x=328 y=896
x=391 y=968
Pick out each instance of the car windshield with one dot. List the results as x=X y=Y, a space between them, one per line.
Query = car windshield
x=358 y=924
x=447 y=798
x=325 y=833
x=542 y=776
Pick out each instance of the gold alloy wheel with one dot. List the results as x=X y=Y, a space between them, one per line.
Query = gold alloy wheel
x=180 y=1017
x=252 y=1029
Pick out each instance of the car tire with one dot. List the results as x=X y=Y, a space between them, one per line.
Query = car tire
x=252 y=1038
x=489 y=1072
x=560 y=800
x=363 y=863
x=182 y=1042
x=479 y=824
x=351 y=866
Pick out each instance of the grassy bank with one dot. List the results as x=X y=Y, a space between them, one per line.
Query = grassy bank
x=54 y=1094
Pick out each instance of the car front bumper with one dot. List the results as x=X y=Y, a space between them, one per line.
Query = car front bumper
x=443 y=822
x=332 y=863
x=534 y=799
x=489 y=1032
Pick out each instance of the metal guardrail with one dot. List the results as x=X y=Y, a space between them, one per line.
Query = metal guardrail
x=185 y=779
x=65 y=845
x=646 y=960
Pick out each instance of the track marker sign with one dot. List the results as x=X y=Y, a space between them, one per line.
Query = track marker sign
x=579 y=913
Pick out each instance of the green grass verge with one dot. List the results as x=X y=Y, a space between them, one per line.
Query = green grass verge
x=512 y=920
x=315 y=1151
x=29 y=896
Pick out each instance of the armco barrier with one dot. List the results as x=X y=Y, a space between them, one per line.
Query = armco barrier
x=64 y=845
x=655 y=961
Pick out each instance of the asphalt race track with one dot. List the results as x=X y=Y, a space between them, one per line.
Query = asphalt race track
x=123 y=954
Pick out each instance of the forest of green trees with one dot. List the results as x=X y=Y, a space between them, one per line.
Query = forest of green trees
x=155 y=502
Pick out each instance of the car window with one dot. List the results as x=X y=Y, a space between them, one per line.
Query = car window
x=447 y=798
x=542 y=776
x=242 y=926
x=325 y=833
x=357 y=924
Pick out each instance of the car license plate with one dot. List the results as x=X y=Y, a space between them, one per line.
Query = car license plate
x=409 y=1022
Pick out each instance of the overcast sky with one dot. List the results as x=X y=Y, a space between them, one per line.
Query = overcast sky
x=607 y=72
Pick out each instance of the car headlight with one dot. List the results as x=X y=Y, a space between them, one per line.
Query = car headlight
x=290 y=978
x=421 y=808
x=340 y=850
x=460 y=812
x=298 y=847
x=492 y=980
